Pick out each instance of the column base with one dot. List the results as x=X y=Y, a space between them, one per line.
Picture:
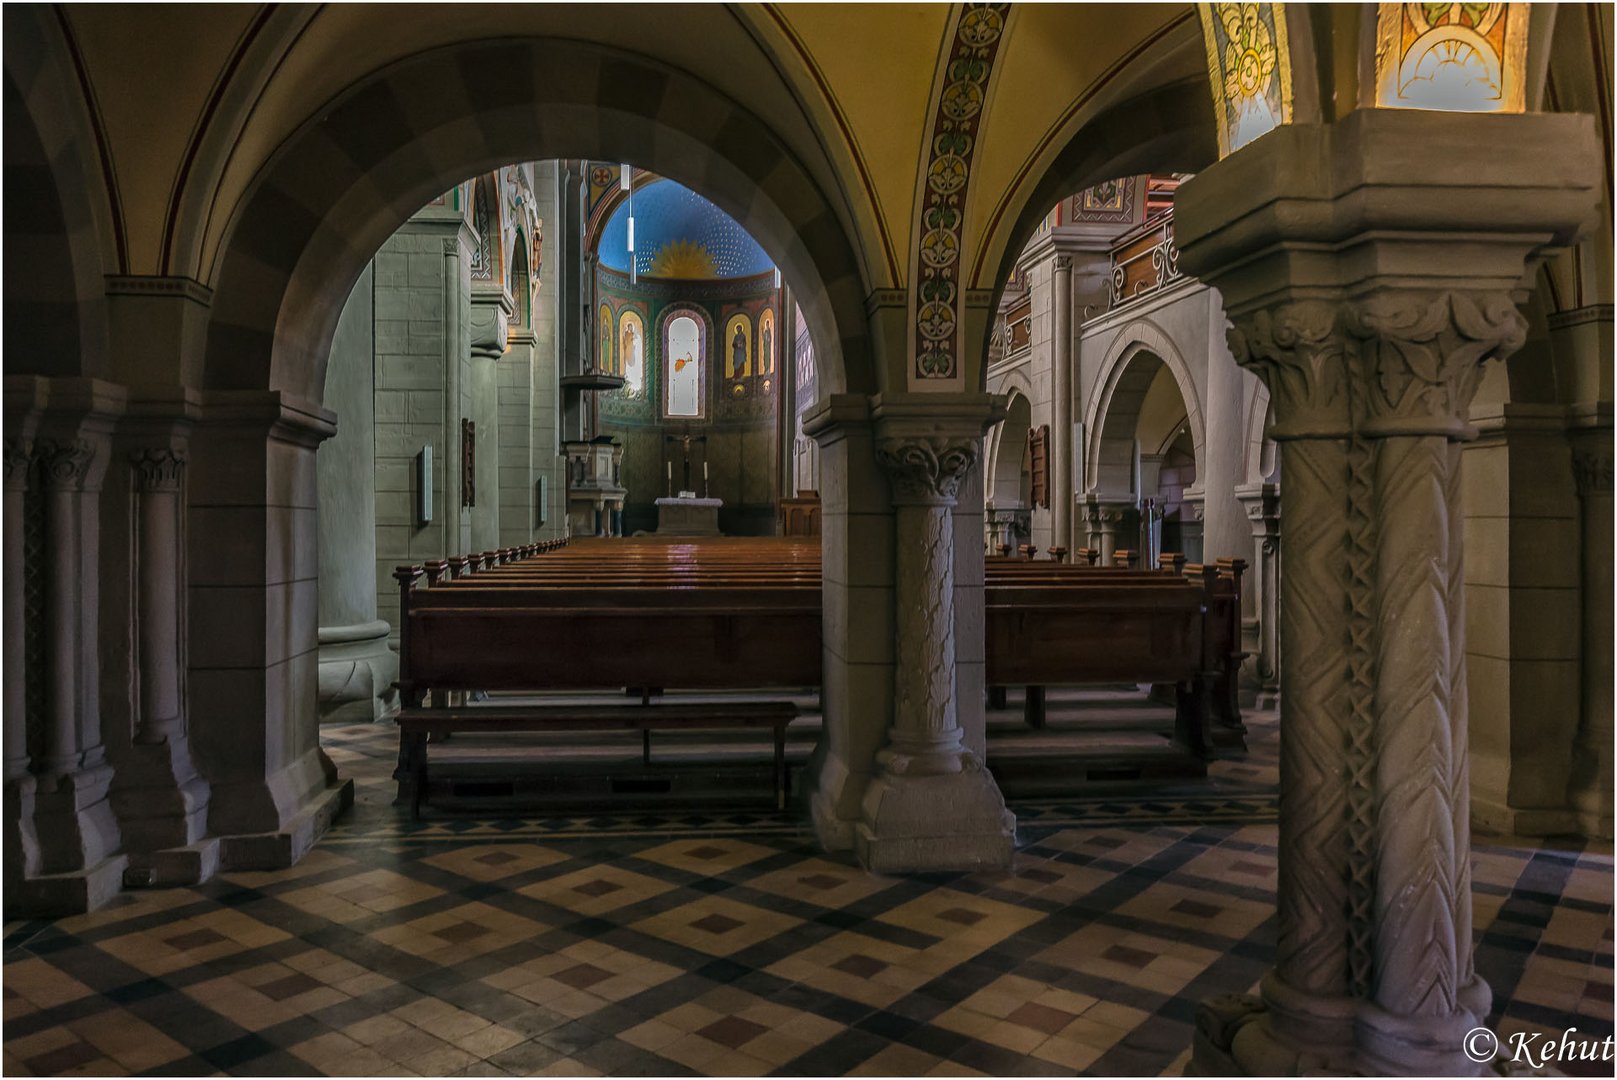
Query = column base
x=21 y=843
x=824 y=780
x=942 y=821
x=1493 y=817
x=51 y=896
x=160 y=800
x=278 y=849
x=188 y=865
x=73 y=820
x=357 y=672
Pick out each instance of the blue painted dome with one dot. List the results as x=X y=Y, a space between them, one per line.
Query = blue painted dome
x=679 y=234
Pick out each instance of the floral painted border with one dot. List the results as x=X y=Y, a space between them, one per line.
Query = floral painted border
x=937 y=293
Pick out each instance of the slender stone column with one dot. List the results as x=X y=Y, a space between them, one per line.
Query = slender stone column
x=1590 y=791
x=64 y=467
x=1367 y=302
x=157 y=479
x=161 y=801
x=1061 y=486
x=21 y=843
x=933 y=805
x=1262 y=503
x=78 y=836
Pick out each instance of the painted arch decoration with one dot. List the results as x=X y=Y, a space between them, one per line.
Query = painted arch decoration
x=1451 y=57
x=1249 y=64
x=936 y=297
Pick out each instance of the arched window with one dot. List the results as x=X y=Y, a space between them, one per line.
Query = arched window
x=684 y=366
x=521 y=297
x=632 y=351
x=485 y=224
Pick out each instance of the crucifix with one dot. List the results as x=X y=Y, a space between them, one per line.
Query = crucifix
x=685 y=447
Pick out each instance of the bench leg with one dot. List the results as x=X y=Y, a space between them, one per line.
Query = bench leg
x=412 y=771
x=780 y=767
x=645 y=746
x=1193 y=715
x=1033 y=710
x=996 y=697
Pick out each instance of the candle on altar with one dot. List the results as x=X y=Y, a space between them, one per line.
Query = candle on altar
x=704 y=470
x=670 y=470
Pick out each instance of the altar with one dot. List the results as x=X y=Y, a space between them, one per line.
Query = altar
x=686 y=515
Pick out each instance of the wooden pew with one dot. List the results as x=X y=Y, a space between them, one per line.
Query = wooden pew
x=715 y=615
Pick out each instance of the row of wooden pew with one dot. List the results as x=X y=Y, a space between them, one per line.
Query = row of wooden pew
x=745 y=613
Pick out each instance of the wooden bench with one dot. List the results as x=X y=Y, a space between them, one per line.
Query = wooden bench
x=460 y=633
x=731 y=614
x=419 y=725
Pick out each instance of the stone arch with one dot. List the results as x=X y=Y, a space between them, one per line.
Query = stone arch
x=1006 y=478
x=1167 y=129
x=357 y=169
x=1140 y=351
x=61 y=238
x=1260 y=456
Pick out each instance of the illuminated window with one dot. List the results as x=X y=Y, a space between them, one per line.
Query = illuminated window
x=1451 y=57
x=1250 y=70
x=684 y=366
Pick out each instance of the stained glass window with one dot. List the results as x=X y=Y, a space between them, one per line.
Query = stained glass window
x=684 y=363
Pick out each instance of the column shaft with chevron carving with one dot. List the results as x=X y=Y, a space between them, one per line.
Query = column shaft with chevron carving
x=1368 y=305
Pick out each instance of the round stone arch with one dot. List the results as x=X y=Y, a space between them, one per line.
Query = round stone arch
x=1260 y=456
x=1004 y=472
x=355 y=171
x=1140 y=351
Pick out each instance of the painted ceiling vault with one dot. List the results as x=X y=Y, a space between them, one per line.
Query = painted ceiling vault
x=679 y=234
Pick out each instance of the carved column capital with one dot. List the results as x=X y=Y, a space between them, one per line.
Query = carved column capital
x=19 y=454
x=64 y=464
x=927 y=470
x=157 y=468
x=1591 y=470
x=1299 y=351
x=1062 y=263
x=1422 y=356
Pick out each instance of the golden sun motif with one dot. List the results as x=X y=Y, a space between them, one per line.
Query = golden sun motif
x=684 y=259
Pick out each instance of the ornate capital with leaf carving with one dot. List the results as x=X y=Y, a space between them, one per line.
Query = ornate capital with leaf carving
x=927 y=470
x=1591 y=469
x=64 y=464
x=1422 y=356
x=157 y=468
x=1299 y=351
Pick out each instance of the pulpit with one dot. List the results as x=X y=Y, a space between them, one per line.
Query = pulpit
x=594 y=494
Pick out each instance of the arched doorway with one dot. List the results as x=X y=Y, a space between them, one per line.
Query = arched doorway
x=1145 y=448
x=1009 y=499
x=287 y=263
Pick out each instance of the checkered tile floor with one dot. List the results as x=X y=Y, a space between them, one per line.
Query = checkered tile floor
x=729 y=945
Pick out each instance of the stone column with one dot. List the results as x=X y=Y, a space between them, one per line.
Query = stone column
x=1061 y=485
x=1367 y=304
x=253 y=585
x=1262 y=505
x=1590 y=790
x=357 y=668
x=162 y=802
x=932 y=805
x=21 y=844
x=80 y=862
